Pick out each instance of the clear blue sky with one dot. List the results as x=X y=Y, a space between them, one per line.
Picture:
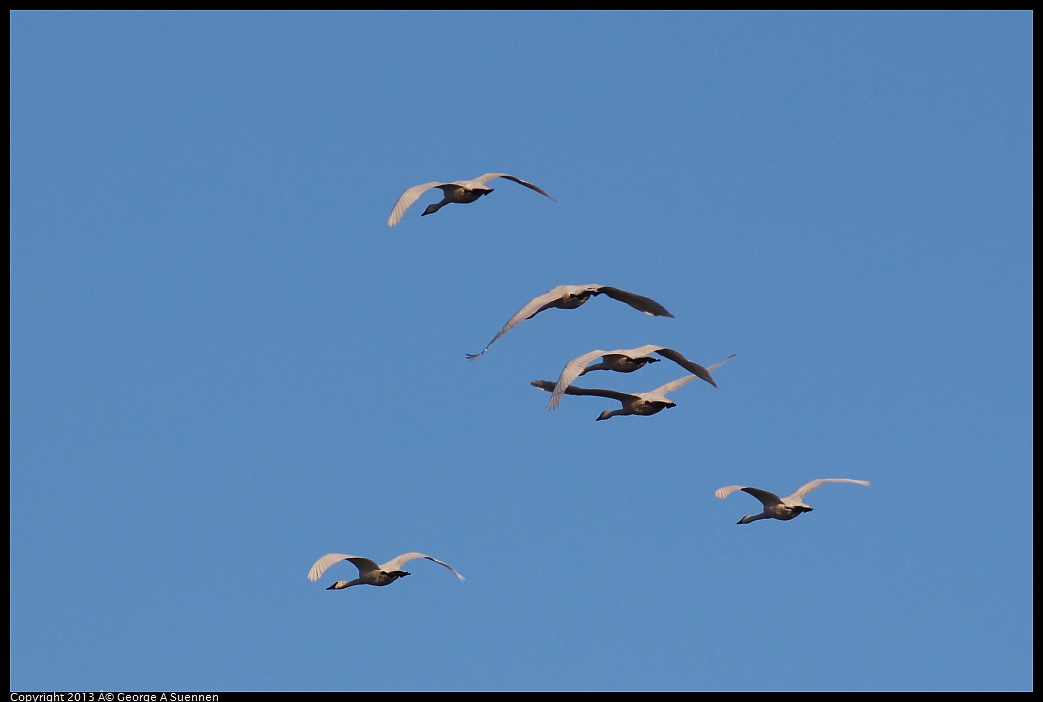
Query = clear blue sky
x=224 y=364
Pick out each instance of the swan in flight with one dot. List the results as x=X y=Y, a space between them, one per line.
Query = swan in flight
x=783 y=508
x=642 y=403
x=369 y=572
x=459 y=191
x=626 y=361
x=569 y=297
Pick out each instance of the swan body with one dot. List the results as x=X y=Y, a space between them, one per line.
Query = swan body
x=369 y=572
x=569 y=297
x=782 y=508
x=640 y=403
x=460 y=192
x=625 y=361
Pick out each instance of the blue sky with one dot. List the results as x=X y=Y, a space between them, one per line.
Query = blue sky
x=224 y=364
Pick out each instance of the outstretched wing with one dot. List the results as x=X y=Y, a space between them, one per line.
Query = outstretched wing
x=319 y=567
x=638 y=302
x=690 y=366
x=721 y=363
x=573 y=390
x=570 y=372
x=768 y=499
x=397 y=562
x=407 y=198
x=483 y=179
x=529 y=310
x=721 y=493
x=808 y=487
x=671 y=386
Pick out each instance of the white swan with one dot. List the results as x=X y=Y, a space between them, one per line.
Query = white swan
x=626 y=361
x=569 y=297
x=369 y=572
x=783 y=508
x=642 y=403
x=459 y=191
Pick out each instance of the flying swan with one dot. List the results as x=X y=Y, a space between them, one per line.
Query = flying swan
x=626 y=361
x=569 y=297
x=641 y=403
x=459 y=191
x=369 y=572
x=784 y=508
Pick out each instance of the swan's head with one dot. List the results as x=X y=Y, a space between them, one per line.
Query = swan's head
x=607 y=414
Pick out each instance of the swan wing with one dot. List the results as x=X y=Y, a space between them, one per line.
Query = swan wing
x=397 y=562
x=720 y=363
x=663 y=390
x=808 y=487
x=570 y=372
x=690 y=366
x=768 y=499
x=638 y=302
x=319 y=567
x=723 y=492
x=528 y=311
x=407 y=198
x=489 y=176
x=573 y=390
